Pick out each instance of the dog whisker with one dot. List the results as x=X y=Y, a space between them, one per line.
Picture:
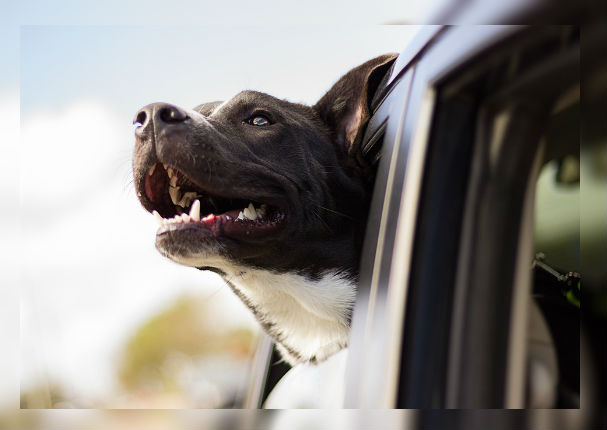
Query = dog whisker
x=213 y=294
x=333 y=211
x=324 y=223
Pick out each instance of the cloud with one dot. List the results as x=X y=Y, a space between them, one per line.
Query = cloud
x=65 y=153
x=89 y=270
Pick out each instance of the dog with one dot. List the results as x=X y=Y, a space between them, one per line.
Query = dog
x=271 y=195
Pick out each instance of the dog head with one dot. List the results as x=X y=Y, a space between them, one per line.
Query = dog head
x=260 y=182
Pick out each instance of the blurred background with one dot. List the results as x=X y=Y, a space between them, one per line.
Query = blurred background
x=106 y=322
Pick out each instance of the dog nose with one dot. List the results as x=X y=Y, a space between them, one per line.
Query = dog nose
x=161 y=114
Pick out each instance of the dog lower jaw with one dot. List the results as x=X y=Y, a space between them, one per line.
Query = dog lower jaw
x=308 y=318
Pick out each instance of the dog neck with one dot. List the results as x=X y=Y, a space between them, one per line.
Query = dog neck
x=308 y=318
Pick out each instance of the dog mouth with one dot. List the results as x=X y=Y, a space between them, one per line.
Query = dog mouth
x=179 y=203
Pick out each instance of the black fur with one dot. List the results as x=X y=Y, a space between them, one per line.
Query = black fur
x=305 y=162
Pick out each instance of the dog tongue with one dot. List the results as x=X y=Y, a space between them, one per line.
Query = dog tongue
x=248 y=229
x=228 y=224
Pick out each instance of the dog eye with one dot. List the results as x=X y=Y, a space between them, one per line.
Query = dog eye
x=258 y=120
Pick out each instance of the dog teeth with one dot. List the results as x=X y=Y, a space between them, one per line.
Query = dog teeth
x=187 y=199
x=172 y=175
x=249 y=212
x=175 y=195
x=195 y=210
x=194 y=215
x=151 y=171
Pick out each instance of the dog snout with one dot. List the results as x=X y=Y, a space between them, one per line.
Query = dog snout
x=159 y=114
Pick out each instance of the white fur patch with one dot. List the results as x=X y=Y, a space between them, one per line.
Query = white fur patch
x=312 y=316
x=308 y=317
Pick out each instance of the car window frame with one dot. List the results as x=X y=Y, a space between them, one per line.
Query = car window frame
x=379 y=315
x=375 y=342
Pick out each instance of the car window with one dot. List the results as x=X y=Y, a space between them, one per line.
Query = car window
x=553 y=378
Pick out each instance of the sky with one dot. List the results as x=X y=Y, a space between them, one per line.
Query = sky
x=82 y=254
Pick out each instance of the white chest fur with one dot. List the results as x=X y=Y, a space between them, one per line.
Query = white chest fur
x=308 y=318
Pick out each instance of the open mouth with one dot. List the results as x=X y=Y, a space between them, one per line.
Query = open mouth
x=179 y=203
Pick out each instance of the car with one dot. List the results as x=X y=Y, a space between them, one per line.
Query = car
x=471 y=268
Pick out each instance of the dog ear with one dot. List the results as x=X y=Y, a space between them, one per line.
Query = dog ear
x=345 y=107
x=206 y=108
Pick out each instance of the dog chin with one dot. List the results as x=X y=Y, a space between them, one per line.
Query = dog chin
x=188 y=252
